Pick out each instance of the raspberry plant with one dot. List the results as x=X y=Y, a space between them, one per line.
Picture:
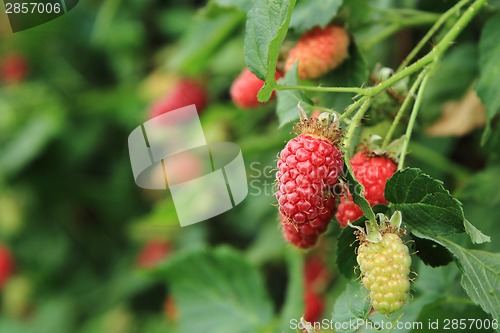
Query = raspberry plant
x=370 y=132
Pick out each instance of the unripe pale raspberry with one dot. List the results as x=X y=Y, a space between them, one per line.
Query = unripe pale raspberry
x=245 y=88
x=308 y=168
x=372 y=172
x=319 y=51
x=385 y=267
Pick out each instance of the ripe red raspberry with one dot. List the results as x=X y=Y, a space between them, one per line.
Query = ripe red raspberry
x=306 y=235
x=245 y=88
x=6 y=265
x=319 y=51
x=184 y=93
x=153 y=253
x=13 y=68
x=372 y=172
x=308 y=168
x=316 y=274
x=314 y=306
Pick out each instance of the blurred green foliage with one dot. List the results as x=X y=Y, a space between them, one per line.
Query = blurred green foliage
x=76 y=222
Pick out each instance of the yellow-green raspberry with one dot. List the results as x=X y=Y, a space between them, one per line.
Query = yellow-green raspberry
x=385 y=267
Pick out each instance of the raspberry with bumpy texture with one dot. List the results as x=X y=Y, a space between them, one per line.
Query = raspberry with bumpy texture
x=308 y=168
x=306 y=235
x=372 y=172
x=245 y=88
x=186 y=92
x=319 y=51
x=6 y=265
x=384 y=269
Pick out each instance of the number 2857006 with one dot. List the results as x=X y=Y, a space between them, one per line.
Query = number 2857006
x=32 y=8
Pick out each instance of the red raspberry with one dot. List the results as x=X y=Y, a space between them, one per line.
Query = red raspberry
x=319 y=51
x=6 y=265
x=245 y=88
x=306 y=235
x=13 y=68
x=314 y=306
x=308 y=168
x=153 y=253
x=316 y=274
x=184 y=93
x=170 y=309
x=372 y=172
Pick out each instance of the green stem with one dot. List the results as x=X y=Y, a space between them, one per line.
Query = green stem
x=351 y=108
x=356 y=120
x=459 y=26
x=413 y=117
x=402 y=109
x=372 y=227
x=432 y=31
x=433 y=55
x=355 y=90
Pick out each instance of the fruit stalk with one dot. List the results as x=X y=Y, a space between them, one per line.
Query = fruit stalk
x=453 y=10
x=402 y=109
x=413 y=117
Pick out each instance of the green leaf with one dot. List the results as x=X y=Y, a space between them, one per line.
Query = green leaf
x=425 y=204
x=489 y=67
x=310 y=13
x=352 y=305
x=357 y=13
x=480 y=275
x=203 y=40
x=266 y=28
x=357 y=190
x=346 y=249
x=288 y=100
x=29 y=140
x=294 y=303
x=432 y=253
x=218 y=291
x=476 y=236
x=243 y=5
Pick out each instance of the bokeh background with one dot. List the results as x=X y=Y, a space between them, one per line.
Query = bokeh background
x=84 y=238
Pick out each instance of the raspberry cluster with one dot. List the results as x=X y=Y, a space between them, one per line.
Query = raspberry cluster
x=385 y=267
x=308 y=167
x=372 y=172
